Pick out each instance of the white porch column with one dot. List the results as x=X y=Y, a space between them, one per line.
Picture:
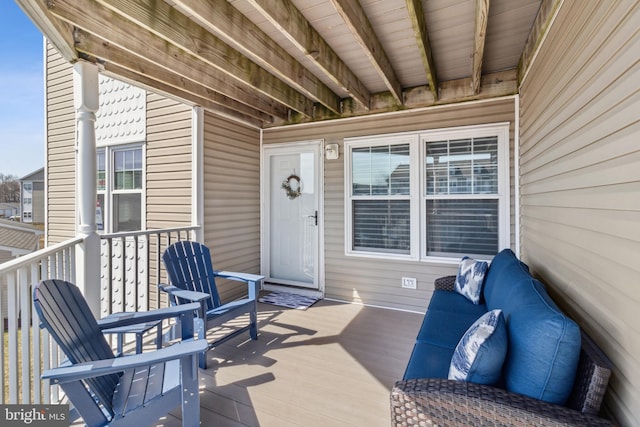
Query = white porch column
x=85 y=89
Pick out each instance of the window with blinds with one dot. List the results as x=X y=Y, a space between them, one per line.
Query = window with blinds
x=431 y=194
x=381 y=198
x=461 y=196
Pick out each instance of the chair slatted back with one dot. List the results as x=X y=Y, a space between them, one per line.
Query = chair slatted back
x=66 y=315
x=189 y=267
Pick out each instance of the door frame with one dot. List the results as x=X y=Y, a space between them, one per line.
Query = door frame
x=265 y=220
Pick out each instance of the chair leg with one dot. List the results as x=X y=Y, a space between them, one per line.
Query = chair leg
x=159 y=336
x=190 y=393
x=253 y=330
x=201 y=333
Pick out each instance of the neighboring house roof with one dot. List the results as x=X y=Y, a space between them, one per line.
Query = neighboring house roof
x=37 y=175
x=20 y=239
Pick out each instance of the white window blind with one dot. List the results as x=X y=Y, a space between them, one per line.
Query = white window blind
x=429 y=195
x=462 y=196
x=381 y=198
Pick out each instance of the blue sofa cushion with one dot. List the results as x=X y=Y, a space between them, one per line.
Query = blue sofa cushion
x=544 y=345
x=504 y=272
x=470 y=278
x=453 y=311
x=428 y=361
x=479 y=355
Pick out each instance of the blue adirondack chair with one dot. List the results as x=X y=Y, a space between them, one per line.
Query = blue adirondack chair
x=131 y=390
x=192 y=279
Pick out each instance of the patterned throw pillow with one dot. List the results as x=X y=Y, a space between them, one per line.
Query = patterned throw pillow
x=470 y=278
x=480 y=354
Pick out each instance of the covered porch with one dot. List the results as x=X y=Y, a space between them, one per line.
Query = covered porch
x=238 y=77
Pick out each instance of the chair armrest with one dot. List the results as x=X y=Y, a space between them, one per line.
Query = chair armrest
x=117 y=320
x=458 y=403
x=252 y=280
x=445 y=283
x=193 y=296
x=242 y=277
x=166 y=288
x=98 y=368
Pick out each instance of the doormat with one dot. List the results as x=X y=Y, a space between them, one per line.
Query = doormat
x=286 y=299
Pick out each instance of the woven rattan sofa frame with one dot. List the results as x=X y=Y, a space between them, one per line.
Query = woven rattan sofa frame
x=441 y=402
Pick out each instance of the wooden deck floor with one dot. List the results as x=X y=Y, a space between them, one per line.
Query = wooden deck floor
x=331 y=365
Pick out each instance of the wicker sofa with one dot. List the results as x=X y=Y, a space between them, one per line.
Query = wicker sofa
x=426 y=397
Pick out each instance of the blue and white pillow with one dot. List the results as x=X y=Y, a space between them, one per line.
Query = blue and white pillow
x=481 y=352
x=470 y=278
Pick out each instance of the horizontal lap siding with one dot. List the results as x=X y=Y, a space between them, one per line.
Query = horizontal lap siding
x=375 y=281
x=580 y=164
x=232 y=198
x=168 y=163
x=60 y=136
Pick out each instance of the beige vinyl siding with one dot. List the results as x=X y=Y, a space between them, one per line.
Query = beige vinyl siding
x=376 y=281
x=168 y=163
x=38 y=203
x=580 y=165
x=232 y=198
x=60 y=147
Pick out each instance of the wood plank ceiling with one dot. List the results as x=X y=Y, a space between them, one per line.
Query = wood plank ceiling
x=276 y=62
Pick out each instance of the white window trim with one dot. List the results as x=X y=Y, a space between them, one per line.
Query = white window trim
x=109 y=191
x=373 y=141
x=501 y=130
x=417 y=181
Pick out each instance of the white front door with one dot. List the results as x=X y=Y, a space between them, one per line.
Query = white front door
x=292 y=187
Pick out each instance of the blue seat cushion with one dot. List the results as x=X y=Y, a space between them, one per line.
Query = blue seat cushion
x=448 y=318
x=428 y=361
x=544 y=345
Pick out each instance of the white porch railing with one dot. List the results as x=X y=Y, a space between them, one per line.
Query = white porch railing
x=28 y=350
x=131 y=268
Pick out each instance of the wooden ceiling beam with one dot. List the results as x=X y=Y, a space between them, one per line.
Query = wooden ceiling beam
x=283 y=15
x=227 y=23
x=149 y=74
x=482 y=18
x=416 y=14
x=148 y=83
x=173 y=26
x=359 y=25
x=59 y=33
x=115 y=58
x=108 y=25
x=494 y=85
x=548 y=9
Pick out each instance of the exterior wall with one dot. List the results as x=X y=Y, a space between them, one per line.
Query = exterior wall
x=232 y=198
x=376 y=281
x=580 y=179
x=168 y=162
x=60 y=148
x=38 y=203
x=168 y=156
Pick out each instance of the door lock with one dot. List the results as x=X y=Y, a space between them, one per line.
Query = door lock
x=314 y=216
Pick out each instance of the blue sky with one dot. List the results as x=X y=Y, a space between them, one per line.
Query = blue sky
x=21 y=93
